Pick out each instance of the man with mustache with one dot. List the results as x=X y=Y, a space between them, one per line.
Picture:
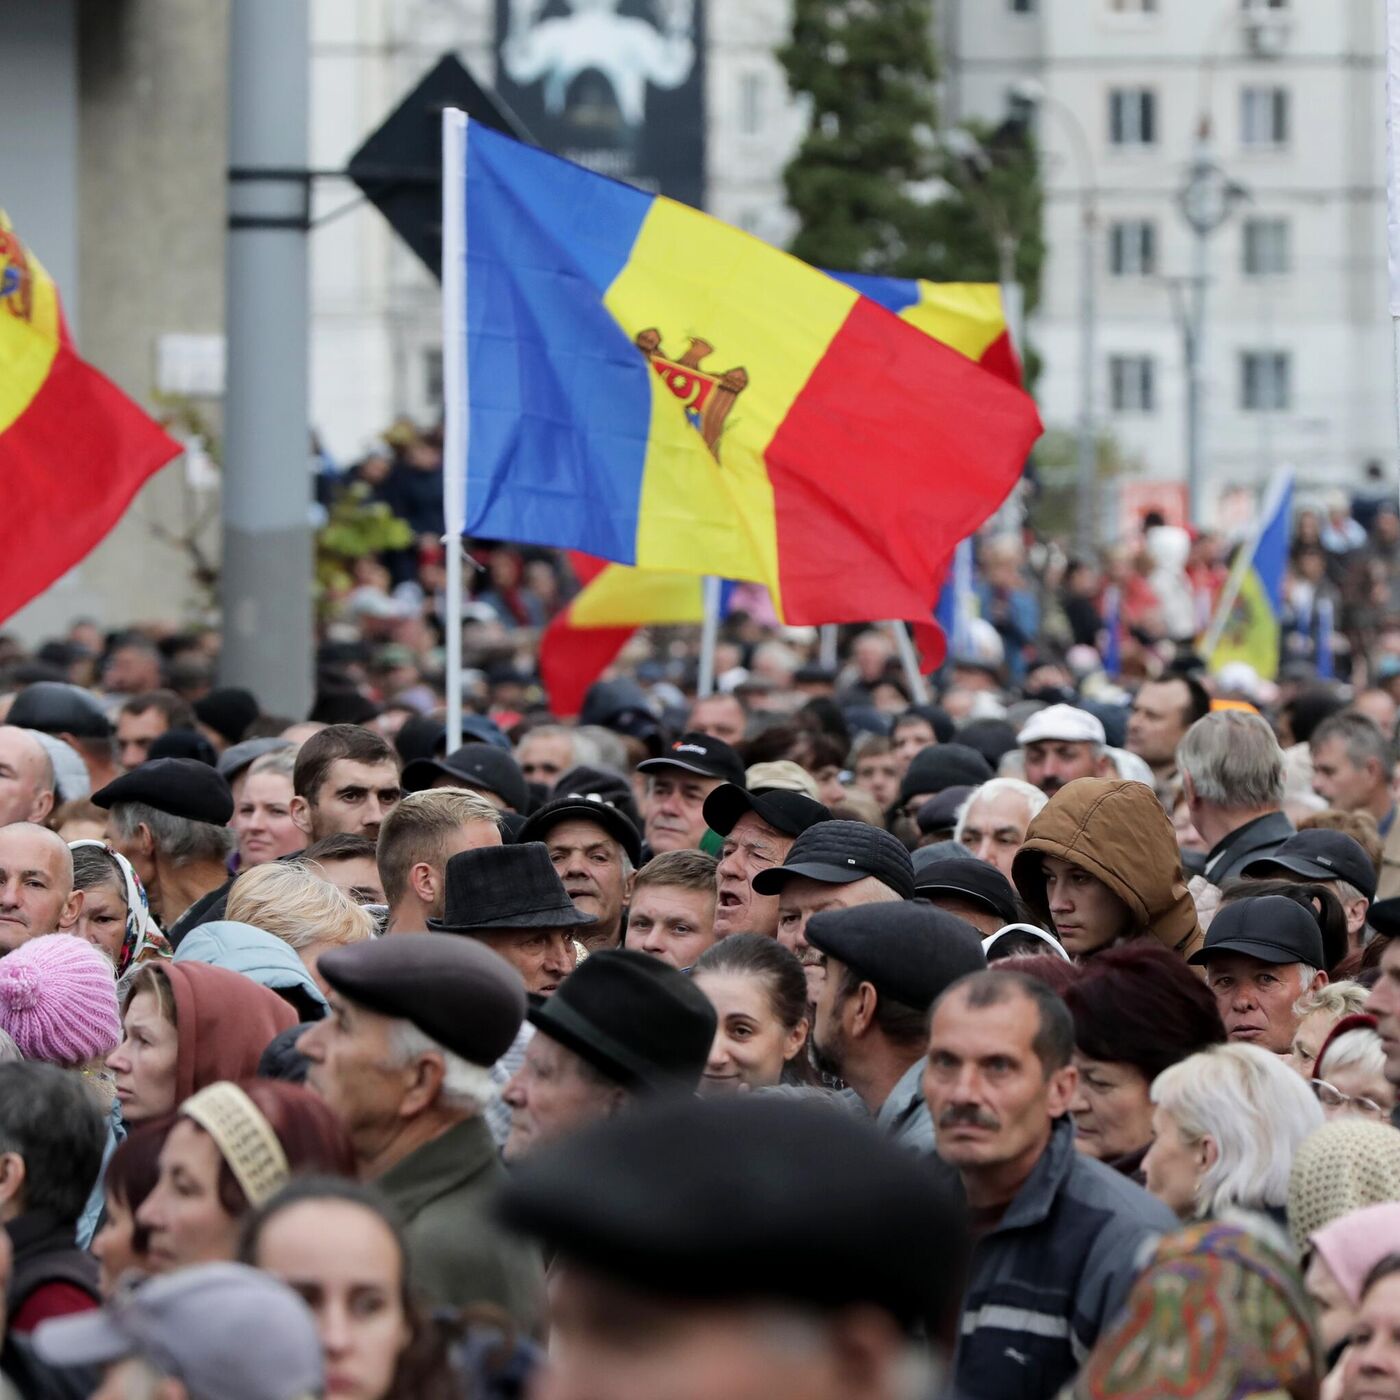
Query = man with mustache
x=1057 y=1233
x=1061 y=743
x=885 y=966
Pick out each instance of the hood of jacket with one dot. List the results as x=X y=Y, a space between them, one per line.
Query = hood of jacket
x=1118 y=832
x=224 y=1022
x=257 y=954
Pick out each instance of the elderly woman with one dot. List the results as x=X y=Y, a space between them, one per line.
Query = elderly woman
x=1349 y=1075
x=1318 y=1012
x=1227 y=1123
x=114 y=915
x=1137 y=1010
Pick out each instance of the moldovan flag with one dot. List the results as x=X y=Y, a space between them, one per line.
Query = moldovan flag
x=614 y=600
x=1250 y=632
x=647 y=385
x=74 y=449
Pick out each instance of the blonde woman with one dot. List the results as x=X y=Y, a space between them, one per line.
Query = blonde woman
x=1318 y=1011
x=307 y=913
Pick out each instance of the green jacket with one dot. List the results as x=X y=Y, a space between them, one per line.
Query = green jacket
x=443 y=1193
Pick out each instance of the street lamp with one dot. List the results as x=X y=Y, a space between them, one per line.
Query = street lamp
x=1034 y=94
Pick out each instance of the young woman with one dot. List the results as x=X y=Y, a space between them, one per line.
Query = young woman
x=759 y=993
x=263 y=816
x=120 y=1245
x=233 y=1146
x=185 y=1025
x=114 y=915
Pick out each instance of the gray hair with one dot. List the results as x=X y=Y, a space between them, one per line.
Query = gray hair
x=1254 y=1108
x=280 y=761
x=1360 y=736
x=1360 y=1048
x=997 y=787
x=1337 y=999
x=465 y=1086
x=1233 y=761
x=180 y=840
x=8 y=1049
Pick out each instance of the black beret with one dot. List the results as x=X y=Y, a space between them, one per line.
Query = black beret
x=55 y=707
x=910 y=953
x=228 y=711
x=179 y=787
x=638 y=1020
x=455 y=990
x=839 y=853
x=183 y=743
x=942 y=766
x=476 y=766
x=584 y=809
x=789 y=812
x=700 y=1199
x=973 y=880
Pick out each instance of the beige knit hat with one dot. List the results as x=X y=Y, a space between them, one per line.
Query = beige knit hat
x=1346 y=1164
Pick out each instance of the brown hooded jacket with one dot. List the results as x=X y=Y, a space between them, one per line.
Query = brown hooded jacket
x=1118 y=832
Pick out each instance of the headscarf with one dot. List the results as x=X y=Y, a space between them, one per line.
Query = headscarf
x=1218 y=1313
x=143 y=939
x=1342 y=1166
x=1353 y=1244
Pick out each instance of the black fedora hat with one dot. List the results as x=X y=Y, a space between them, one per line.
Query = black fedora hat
x=498 y=887
x=634 y=1018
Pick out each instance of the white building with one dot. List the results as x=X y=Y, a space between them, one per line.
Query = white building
x=1298 y=363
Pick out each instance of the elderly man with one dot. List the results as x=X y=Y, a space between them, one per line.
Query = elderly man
x=1059 y=1232
x=595 y=851
x=723 y=716
x=1353 y=764
x=417 y=839
x=70 y=713
x=36 y=884
x=1262 y=957
x=972 y=890
x=546 y=753
x=1232 y=777
x=1321 y=856
x=677 y=785
x=884 y=969
x=833 y=865
x=169 y=819
x=26 y=777
x=405 y=1061
x=992 y=822
x=346 y=779
x=758 y=828
x=1162 y=713
x=691 y=1268
x=624 y=1028
x=1061 y=743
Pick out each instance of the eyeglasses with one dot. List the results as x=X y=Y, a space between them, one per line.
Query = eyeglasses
x=1330 y=1097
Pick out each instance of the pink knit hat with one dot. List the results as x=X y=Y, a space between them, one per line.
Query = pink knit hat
x=58 y=1000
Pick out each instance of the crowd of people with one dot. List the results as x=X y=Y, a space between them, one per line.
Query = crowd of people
x=803 y=1039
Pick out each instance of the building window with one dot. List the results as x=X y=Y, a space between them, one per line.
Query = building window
x=1132 y=383
x=1132 y=248
x=1132 y=116
x=1266 y=247
x=1266 y=380
x=1264 y=116
x=1249 y=6
x=751 y=104
x=1023 y=7
x=1132 y=7
x=432 y=376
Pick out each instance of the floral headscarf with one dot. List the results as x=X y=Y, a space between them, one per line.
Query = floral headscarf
x=143 y=939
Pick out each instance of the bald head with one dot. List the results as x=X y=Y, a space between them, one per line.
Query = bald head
x=26 y=777
x=36 y=884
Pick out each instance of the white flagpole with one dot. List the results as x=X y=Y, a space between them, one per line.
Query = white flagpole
x=1392 y=176
x=917 y=687
x=1244 y=561
x=455 y=399
x=709 y=635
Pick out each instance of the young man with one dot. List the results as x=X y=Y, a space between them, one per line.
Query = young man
x=672 y=916
x=346 y=779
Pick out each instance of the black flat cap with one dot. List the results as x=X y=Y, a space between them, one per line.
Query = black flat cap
x=228 y=711
x=943 y=766
x=940 y=812
x=55 y=707
x=911 y=953
x=1384 y=917
x=697 y=1199
x=840 y=853
x=1270 y=928
x=183 y=743
x=1318 y=854
x=467 y=998
x=503 y=887
x=975 y=880
x=612 y=787
x=702 y=754
x=179 y=787
x=634 y=1018
x=476 y=765
x=789 y=812
x=592 y=808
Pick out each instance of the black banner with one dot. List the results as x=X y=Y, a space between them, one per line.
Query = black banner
x=616 y=85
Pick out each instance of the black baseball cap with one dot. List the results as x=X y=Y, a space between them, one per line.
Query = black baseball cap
x=702 y=754
x=840 y=853
x=476 y=766
x=585 y=808
x=940 y=813
x=973 y=880
x=1319 y=854
x=790 y=812
x=1270 y=928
